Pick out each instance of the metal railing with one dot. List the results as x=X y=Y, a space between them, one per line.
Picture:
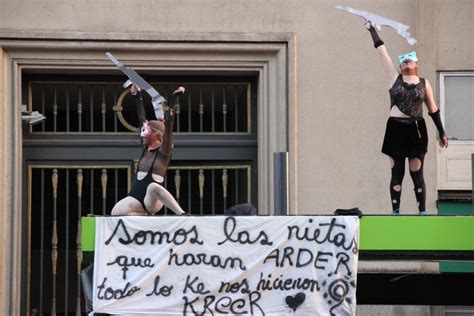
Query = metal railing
x=105 y=107
x=59 y=195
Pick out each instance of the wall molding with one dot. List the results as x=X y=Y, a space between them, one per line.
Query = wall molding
x=271 y=57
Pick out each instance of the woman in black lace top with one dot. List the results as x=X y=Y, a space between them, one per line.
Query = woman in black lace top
x=147 y=195
x=406 y=136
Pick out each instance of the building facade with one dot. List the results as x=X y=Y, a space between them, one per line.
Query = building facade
x=268 y=76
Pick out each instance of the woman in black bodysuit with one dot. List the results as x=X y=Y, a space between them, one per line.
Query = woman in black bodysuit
x=406 y=135
x=147 y=195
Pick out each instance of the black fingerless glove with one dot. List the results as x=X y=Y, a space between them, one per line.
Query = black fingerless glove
x=375 y=36
x=437 y=121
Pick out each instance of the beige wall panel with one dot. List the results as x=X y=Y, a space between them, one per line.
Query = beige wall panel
x=342 y=93
x=455 y=29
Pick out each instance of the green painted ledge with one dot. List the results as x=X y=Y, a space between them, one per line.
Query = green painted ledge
x=417 y=233
x=384 y=233
x=456 y=208
x=88 y=234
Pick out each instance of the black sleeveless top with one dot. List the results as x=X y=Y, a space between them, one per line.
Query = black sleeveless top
x=139 y=187
x=408 y=97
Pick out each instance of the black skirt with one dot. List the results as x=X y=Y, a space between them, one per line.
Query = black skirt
x=405 y=137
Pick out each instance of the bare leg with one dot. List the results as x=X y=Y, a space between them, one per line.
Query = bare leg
x=157 y=196
x=128 y=206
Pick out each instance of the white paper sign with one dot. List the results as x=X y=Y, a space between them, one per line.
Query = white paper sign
x=253 y=265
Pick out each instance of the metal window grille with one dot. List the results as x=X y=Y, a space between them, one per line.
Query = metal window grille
x=59 y=194
x=66 y=193
x=105 y=107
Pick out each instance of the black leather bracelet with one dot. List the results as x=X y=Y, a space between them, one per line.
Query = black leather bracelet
x=378 y=43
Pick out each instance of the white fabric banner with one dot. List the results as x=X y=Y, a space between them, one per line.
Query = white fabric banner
x=214 y=265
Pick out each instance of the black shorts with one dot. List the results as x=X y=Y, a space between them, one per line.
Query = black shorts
x=405 y=137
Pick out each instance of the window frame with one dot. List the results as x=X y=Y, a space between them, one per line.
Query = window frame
x=453 y=161
x=442 y=100
x=271 y=56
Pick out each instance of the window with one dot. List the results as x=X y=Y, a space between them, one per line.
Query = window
x=81 y=160
x=457 y=112
x=214 y=117
x=457 y=103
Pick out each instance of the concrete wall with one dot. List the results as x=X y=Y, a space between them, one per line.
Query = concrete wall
x=342 y=98
x=455 y=38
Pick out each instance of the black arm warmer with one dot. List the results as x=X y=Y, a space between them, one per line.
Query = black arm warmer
x=172 y=101
x=140 y=108
x=167 y=146
x=437 y=121
x=375 y=36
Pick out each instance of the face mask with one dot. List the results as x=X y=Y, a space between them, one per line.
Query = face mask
x=145 y=130
x=410 y=56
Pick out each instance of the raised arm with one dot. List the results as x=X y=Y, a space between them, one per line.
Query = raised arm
x=390 y=70
x=135 y=91
x=167 y=146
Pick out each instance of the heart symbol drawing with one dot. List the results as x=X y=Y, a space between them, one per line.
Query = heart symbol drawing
x=295 y=301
